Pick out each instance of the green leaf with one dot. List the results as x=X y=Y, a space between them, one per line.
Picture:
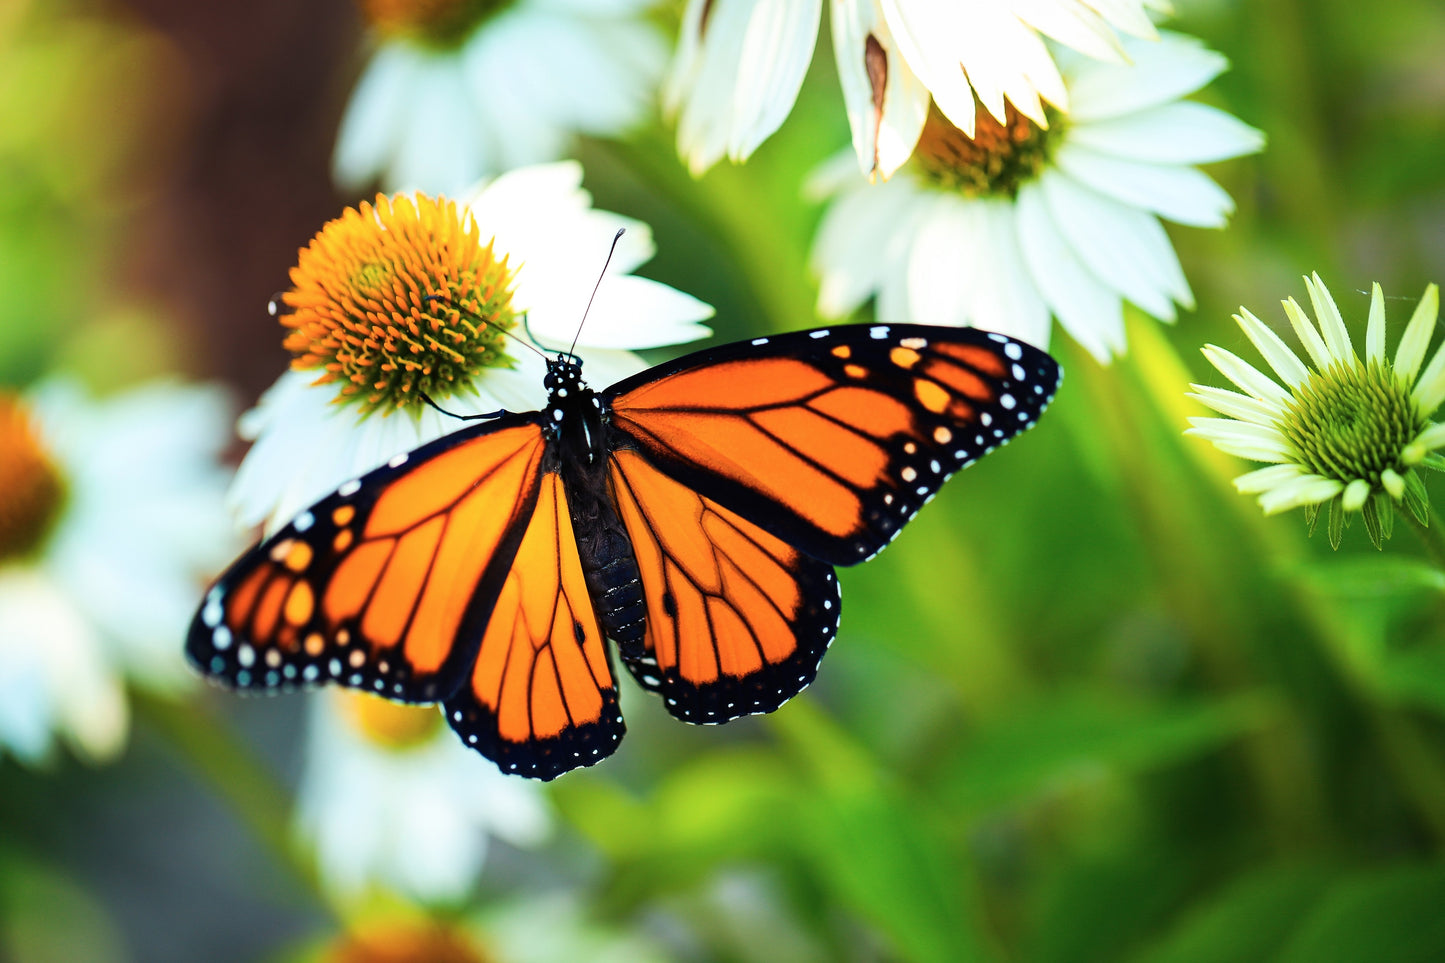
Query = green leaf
x=1028 y=751
x=1337 y=522
x=1370 y=512
x=1247 y=922
x=1397 y=916
x=1372 y=576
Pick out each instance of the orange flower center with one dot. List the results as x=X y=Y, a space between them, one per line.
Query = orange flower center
x=398 y=299
x=412 y=942
x=440 y=22
x=995 y=162
x=32 y=490
x=390 y=725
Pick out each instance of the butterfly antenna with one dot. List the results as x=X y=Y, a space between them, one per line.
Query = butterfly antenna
x=452 y=414
x=615 y=238
x=521 y=341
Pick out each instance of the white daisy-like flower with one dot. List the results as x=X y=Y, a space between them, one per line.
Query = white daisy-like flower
x=389 y=797
x=458 y=90
x=526 y=244
x=1018 y=224
x=1347 y=431
x=740 y=63
x=111 y=515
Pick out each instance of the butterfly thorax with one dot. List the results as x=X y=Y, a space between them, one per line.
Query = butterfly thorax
x=577 y=418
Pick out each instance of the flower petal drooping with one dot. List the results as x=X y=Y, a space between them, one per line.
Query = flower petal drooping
x=1347 y=430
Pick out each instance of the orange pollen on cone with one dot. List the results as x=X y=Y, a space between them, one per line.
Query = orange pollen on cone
x=438 y=21
x=995 y=162
x=418 y=941
x=32 y=490
x=399 y=298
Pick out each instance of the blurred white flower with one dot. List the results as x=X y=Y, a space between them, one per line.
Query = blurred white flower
x=390 y=797
x=1018 y=224
x=1348 y=432
x=535 y=248
x=111 y=517
x=740 y=64
x=462 y=89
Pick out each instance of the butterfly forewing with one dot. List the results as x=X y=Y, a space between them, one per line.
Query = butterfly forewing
x=737 y=620
x=541 y=699
x=833 y=439
x=380 y=585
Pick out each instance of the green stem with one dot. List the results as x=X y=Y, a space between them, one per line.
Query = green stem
x=257 y=798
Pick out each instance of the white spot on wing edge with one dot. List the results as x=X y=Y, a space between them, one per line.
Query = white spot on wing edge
x=303 y=521
x=350 y=488
x=398 y=460
x=820 y=333
x=879 y=332
x=757 y=341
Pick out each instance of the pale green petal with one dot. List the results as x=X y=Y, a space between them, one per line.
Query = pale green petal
x=1355 y=494
x=1264 y=479
x=1375 y=330
x=1305 y=490
x=1428 y=440
x=1417 y=335
x=1393 y=483
x=1243 y=439
x=1333 y=326
x=1309 y=337
x=1245 y=375
x=1236 y=405
x=1285 y=362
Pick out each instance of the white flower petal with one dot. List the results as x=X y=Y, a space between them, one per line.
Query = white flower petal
x=438 y=149
x=1090 y=311
x=1180 y=132
x=1124 y=246
x=1264 y=479
x=884 y=133
x=1331 y=324
x=776 y=51
x=1180 y=194
x=1005 y=298
x=1168 y=69
x=1315 y=345
x=1431 y=438
x=1417 y=336
x=367 y=140
x=1235 y=405
x=1375 y=330
x=943 y=262
x=855 y=231
x=1076 y=26
x=634 y=312
x=1307 y=490
x=1262 y=437
x=1356 y=492
x=1285 y=362
x=1245 y=375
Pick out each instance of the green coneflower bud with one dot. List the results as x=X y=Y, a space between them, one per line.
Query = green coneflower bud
x=1345 y=431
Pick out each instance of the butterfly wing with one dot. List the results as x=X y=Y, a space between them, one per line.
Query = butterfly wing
x=541 y=698
x=832 y=439
x=380 y=585
x=737 y=620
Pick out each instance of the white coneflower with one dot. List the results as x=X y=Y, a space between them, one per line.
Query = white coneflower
x=1348 y=431
x=528 y=243
x=740 y=64
x=389 y=797
x=1019 y=223
x=463 y=89
x=110 y=515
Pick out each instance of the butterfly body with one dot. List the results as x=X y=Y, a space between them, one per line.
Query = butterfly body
x=692 y=513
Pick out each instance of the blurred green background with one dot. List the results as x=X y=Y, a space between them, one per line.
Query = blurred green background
x=1091 y=706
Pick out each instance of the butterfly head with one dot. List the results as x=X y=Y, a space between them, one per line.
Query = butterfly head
x=564 y=373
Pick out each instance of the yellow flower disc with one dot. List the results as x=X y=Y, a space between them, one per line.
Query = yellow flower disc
x=32 y=490
x=397 y=299
x=391 y=725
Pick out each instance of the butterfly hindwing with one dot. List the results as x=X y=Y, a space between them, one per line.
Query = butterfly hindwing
x=380 y=585
x=541 y=698
x=737 y=620
x=832 y=439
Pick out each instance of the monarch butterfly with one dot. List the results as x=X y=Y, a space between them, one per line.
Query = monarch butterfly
x=692 y=513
